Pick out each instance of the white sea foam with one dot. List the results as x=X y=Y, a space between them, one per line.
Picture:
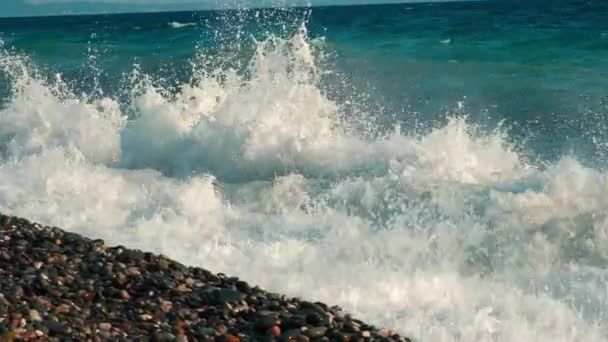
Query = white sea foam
x=178 y=25
x=446 y=236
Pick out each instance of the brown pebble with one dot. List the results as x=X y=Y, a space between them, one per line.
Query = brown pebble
x=163 y=264
x=63 y=308
x=5 y=255
x=145 y=317
x=384 y=332
x=105 y=327
x=221 y=330
x=133 y=271
x=126 y=326
x=232 y=338
x=178 y=328
x=16 y=316
x=130 y=293
x=274 y=331
x=124 y=294
x=181 y=289
x=165 y=305
x=44 y=302
x=28 y=335
x=35 y=316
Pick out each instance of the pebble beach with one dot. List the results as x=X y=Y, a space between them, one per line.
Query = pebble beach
x=60 y=286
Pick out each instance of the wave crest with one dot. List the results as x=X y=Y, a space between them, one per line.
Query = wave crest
x=259 y=173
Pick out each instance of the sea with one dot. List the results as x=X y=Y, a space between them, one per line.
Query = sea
x=435 y=168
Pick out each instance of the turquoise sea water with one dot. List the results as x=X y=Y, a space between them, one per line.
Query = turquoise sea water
x=434 y=167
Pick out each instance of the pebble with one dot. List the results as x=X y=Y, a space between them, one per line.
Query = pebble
x=165 y=305
x=274 y=331
x=124 y=294
x=62 y=309
x=35 y=316
x=55 y=328
x=181 y=289
x=232 y=338
x=315 y=332
x=133 y=271
x=289 y=335
x=267 y=321
x=221 y=329
x=105 y=327
x=145 y=317
x=229 y=296
x=71 y=288
x=384 y=332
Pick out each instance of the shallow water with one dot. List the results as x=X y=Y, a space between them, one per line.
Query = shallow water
x=437 y=168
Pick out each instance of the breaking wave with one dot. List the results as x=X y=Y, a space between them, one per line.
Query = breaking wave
x=447 y=235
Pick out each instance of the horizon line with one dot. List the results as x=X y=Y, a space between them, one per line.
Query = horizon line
x=101 y=13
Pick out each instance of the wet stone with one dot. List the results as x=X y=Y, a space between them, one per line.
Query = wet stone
x=313 y=307
x=314 y=318
x=293 y=322
x=314 y=332
x=55 y=328
x=131 y=255
x=290 y=335
x=265 y=322
x=351 y=327
x=205 y=331
x=228 y=296
x=243 y=287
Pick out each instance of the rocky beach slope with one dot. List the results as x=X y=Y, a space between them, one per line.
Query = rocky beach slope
x=60 y=286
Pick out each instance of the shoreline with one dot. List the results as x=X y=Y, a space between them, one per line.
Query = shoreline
x=56 y=285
